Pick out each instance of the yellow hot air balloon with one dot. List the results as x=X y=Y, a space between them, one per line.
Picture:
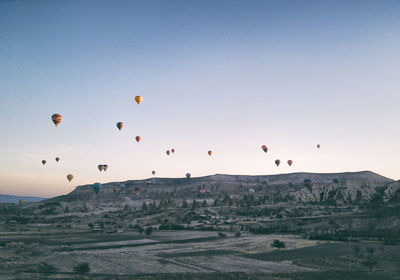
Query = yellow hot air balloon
x=56 y=118
x=138 y=99
x=70 y=177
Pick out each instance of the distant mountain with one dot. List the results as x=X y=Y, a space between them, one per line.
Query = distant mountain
x=5 y=198
x=301 y=187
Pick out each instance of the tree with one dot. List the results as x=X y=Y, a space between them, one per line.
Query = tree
x=195 y=205
x=144 y=206
x=148 y=230
x=356 y=249
x=82 y=268
x=278 y=244
x=204 y=203
x=140 y=229
x=185 y=204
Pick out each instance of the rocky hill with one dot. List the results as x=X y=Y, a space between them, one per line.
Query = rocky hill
x=298 y=187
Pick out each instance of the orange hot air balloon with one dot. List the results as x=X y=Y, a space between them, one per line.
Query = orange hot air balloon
x=120 y=125
x=44 y=162
x=70 y=177
x=318 y=146
x=57 y=159
x=137 y=191
x=210 y=153
x=264 y=148
x=56 y=118
x=168 y=152
x=173 y=151
x=277 y=162
x=138 y=138
x=105 y=167
x=138 y=99
x=290 y=162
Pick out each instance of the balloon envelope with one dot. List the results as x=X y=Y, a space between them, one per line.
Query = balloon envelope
x=70 y=177
x=97 y=187
x=277 y=162
x=44 y=162
x=105 y=167
x=137 y=191
x=138 y=138
x=318 y=146
x=100 y=167
x=290 y=162
x=56 y=118
x=120 y=125
x=168 y=152
x=210 y=153
x=57 y=159
x=153 y=172
x=138 y=99
x=264 y=148
x=188 y=175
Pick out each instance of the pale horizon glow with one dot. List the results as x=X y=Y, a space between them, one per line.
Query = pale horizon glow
x=226 y=76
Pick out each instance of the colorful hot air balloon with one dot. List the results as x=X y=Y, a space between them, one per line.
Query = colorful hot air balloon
x=138 y=99
x=277 y=162
x=153 y=172
x=44 y=162
x=188 y=175
x=70 y=177
x=105 y=167
x=264 y=148
x=290 y=162
x=57 y=159
x=318 y=146
x=120 y=125
x=56 y=118
x=137 y=191
x=168 y=152
x=97 y=187
x=210 y=153
x=100 y=167
x=138 y=138
x=173 y=151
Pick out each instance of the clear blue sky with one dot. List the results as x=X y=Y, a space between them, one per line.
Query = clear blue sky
x=222 y=75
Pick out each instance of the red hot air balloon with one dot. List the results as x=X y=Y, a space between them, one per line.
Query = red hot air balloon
x=138 y=138
x=173 y=151
x=264 y=148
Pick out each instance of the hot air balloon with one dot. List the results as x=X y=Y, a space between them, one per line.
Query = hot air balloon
x=70 y=177
x=44 y=162
x=105 y=167
x=264 y=148
x=209 y=153
x=173 y=151
x=168 y=152
x=57 y=159
x=120 y=125
x=137 y=191
x=290 y=162
x=56 y=118
x=138 y=99
x=318 y=146
x=97 y=187
x=100 y=167
x=138 y=138
x=277 y=162
x=188 y=175
x=153 y=172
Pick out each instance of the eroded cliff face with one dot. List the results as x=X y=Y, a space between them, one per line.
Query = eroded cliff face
x=342 y=188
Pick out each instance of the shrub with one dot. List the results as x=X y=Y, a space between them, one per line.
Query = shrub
x=221 y=234
x=148 y=230
x=82 y=268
